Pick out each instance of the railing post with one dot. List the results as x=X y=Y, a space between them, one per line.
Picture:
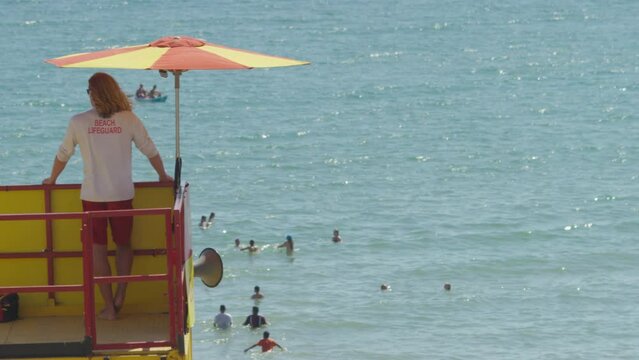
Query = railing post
x=87 y=275
x=179 y=266
x=170 y=269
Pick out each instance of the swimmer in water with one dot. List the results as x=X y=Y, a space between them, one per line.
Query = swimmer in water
x=251 y=248
x=237 y=243
x=257 y=295
x=447 y=287
x=288 y=244
x=255 y=320
x=210 y=220
x=266 y=343
x=336 y=237
x=223 y=320
x=385 y=287
x=203 y=223
x=140 y=93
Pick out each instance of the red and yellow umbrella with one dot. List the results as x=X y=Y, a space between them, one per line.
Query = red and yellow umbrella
x=174 y=54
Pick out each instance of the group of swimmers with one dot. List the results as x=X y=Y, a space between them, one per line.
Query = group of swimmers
x=255 y=320
x=223 y=320
x=287 y=244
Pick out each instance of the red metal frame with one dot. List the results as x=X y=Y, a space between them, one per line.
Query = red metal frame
x=179 y=208
x=174 y=223
x=71 y=254
x=87 y=278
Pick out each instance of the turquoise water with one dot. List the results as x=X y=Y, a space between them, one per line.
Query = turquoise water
x=490 y=145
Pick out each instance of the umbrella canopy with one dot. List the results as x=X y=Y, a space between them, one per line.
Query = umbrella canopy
x=175 y=54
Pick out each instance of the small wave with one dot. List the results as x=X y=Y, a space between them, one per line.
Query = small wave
x=386 y=54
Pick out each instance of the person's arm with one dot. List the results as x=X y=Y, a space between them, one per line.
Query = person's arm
x=144 y=143
x=56 y=169
x=64 y=153
x=282 y=245
x=247 y=321
x=158 y=165
x=249 y=348
x=278 y=345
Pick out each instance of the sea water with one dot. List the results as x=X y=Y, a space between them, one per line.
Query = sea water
x=492 y=145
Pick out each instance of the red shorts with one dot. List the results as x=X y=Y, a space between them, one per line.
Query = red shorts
x=121 y=226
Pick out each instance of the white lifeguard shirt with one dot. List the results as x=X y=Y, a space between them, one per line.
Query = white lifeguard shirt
x=105 y=145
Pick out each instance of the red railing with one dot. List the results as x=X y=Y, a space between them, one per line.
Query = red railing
x=90 y=280
x=174 y=277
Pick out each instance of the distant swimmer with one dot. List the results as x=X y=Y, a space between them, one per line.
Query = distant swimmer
x=203 y=223
x=266 y=343
x=153 y=93
x=336 y=237
x=223 y=320
x=288 y=244
x=237 y=243
x=251 y=247
x=255 y=320
x=385 y=287
x=140 y=92
x=447 y=287
x=257 y=295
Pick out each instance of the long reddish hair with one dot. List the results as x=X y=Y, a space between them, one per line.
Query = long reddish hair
x=107 y=96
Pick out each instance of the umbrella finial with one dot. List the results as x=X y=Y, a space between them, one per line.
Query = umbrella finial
x=177 y=41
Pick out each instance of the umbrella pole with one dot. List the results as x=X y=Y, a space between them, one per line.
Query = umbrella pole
x=177 y=74
x=177 y=175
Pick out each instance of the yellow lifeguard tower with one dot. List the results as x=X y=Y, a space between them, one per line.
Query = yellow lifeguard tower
x=46 y=257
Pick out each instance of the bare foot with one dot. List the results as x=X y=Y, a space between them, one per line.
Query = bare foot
x=118 y=303
x=107 y=314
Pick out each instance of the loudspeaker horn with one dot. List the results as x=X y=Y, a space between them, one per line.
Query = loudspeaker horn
x=209 y=268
